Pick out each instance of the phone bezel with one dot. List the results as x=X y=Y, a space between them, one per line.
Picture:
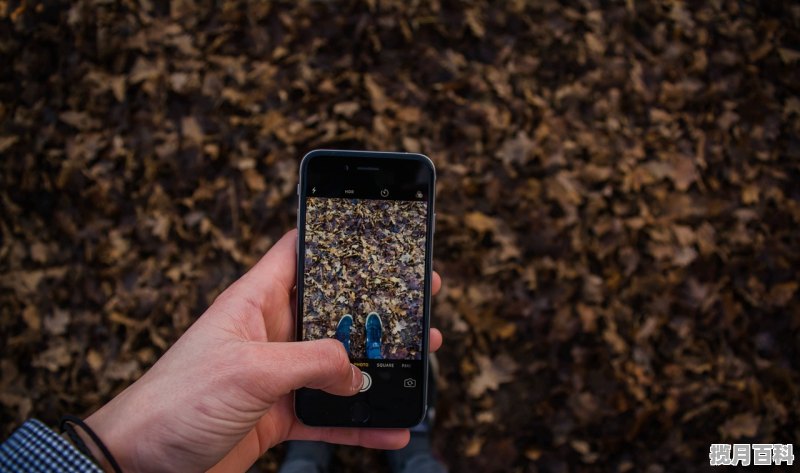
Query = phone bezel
x=430 y=223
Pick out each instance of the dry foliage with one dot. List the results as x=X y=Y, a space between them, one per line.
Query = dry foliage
x=617 y=217
x=366 y=256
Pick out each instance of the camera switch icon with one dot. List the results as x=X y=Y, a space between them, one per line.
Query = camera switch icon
x=409 y=383
x=385 y=193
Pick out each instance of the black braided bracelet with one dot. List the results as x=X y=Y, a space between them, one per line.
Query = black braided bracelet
x=66 y=425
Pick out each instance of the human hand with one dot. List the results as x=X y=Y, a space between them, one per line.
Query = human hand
x=221 y=395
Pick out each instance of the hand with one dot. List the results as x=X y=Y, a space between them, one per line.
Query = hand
x=222 y=394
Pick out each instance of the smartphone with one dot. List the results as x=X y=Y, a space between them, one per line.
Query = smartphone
x=365 y=238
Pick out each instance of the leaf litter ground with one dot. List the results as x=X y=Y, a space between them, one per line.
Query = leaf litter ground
x=618 y=206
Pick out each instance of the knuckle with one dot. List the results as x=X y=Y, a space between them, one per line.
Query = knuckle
x=334 y=358
x=225 y=296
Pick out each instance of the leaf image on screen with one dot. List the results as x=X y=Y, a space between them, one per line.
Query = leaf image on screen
x=364 y=256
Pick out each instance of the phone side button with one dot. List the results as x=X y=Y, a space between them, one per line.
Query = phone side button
x=359 y=412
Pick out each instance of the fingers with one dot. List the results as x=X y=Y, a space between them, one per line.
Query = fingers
x=319 y=364
x=436 y=283
x=385 y=439
x=436 y=340
x=276 y=269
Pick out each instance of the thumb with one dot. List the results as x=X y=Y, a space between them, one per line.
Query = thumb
x=318 y=364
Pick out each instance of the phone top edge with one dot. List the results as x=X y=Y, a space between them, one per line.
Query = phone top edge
x=400 y=155
x=368 y=154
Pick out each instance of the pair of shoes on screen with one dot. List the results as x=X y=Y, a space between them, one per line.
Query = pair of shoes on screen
x=374 y=333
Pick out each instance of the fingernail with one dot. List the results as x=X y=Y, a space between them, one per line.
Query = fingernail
x=357 y=378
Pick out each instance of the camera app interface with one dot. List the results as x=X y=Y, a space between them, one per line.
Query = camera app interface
x=364 y=271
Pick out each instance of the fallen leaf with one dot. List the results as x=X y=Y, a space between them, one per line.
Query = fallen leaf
x=491 y=374
x=741 y=425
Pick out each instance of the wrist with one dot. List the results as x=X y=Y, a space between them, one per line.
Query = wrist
x=97 y=455
x=108 y=431
x=87 y=441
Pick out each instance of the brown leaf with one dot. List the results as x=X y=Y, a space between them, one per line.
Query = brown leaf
x=741 y=425
x=123 y=370
x=480 y=222
x=57 y=322
x=346 y=109
x=39 y=252
x=143 y=70
x=788 y=56
x=492 y=373
x=191 y=131
x=53 y=358
x=474 y=22
x=517 y=150
x=781 y=294
x=565 y=190
x=6 y=142
x=31 y=317
x=376 y=94
x=94 y=360
x=254 y=180
x=79 y=120
x=594 y=44
x=474 y=447
x=683 y=172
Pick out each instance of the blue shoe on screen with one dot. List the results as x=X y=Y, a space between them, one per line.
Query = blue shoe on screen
x=374 y=331
x=343 y=331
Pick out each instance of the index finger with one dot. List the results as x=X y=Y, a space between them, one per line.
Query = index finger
x=436 y=283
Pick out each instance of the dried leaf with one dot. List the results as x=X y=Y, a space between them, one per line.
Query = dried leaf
x=739 y=426
x=492 y=373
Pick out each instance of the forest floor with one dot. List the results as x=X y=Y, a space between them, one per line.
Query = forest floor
x=618 y=204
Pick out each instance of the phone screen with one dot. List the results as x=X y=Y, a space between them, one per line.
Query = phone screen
x=365 y=228
x=364 y=275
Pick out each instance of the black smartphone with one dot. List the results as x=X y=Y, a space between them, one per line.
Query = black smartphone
x=366 y=222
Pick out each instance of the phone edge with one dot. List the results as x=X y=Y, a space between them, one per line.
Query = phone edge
x=431 y=226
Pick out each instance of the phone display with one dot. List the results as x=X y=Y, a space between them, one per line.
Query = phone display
x=364 y=275
x=365 y=228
